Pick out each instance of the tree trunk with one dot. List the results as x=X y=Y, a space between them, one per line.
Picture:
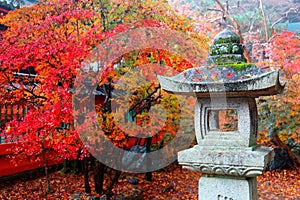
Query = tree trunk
x=66 y=167
x=277 y=141
x=148 y=149
x=85 y=169
x=99 y=177
x=45 y=160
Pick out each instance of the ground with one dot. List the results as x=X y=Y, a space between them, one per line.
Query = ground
x=172 y=183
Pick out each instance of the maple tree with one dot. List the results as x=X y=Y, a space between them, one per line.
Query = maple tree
x=42 y=36
x=53 y=38
x=132 y=60
x=280 y=114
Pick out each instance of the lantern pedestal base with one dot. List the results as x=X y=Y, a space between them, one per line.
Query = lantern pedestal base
x=227 y=188
x=230 y=161
x=228 y=173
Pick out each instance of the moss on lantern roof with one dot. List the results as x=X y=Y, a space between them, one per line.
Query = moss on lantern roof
x=238 y=67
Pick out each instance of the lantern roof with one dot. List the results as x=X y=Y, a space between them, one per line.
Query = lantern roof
x=226 y=70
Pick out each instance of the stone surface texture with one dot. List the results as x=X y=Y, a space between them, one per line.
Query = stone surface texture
x=233 y=161
x=227 y=189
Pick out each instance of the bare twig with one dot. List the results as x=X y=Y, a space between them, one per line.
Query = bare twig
x=295 y=10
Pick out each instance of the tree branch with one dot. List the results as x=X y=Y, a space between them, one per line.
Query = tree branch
x=26 y=90
x=265 y=20
x=295 y=10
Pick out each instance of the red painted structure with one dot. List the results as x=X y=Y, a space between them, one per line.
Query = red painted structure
x=9 y=168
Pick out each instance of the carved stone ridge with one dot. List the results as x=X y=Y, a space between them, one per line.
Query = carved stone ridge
x=225 y=170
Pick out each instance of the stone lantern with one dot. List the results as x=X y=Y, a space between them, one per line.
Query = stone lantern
x=226 y=87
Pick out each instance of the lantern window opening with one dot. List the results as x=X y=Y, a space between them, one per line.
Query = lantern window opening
x=222 y=120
